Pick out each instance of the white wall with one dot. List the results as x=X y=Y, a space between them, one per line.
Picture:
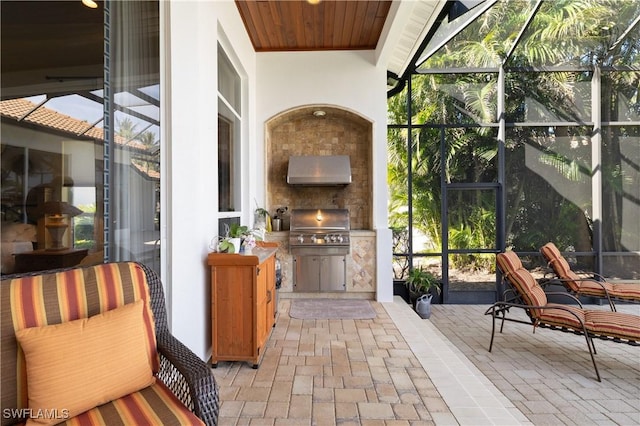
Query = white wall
x=274 y=82
x=347 y=79
x=189 y=145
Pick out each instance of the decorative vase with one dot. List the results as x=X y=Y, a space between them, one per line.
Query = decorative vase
x=423 y=306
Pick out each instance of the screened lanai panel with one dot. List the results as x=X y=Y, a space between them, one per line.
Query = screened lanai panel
x=471 y=219
x=484 y=43
x=397 y=179
x=548 y=187
x=621 y=98
x=472 y=154
x=550 y=97
x=621 y=201
x=578 y=34
x=454 y=98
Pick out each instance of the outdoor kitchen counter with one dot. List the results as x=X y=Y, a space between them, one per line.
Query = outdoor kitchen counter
x=255 y=257
x=243 y=303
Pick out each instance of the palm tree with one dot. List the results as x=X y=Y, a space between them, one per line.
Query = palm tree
x=564 y=32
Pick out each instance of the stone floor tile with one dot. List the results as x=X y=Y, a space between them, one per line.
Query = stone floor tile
x=231 y=409
x=281 y=391
x=346 y=411
x=266 y=421
x=375 y=410
x=323 y=413
x=405 y=411
x=398 y=369
x=277 y=410
x=323 y=395
x=253 y=409
x=300 y=406
x=350 y=395
x=253 y=394
x=302 y=385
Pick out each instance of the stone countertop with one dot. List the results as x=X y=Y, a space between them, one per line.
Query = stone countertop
x=356 y=232
x=255 y=257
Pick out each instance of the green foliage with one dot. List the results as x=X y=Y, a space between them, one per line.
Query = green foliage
x=238 y=231
x=548 y=169
x=422 y=281
x=225 y=246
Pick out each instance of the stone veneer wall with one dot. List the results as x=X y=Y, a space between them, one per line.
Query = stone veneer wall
x=339 y=132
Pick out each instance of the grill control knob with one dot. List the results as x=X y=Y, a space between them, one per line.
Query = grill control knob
x=314 y=238
x=300 y=238
x=339 y=238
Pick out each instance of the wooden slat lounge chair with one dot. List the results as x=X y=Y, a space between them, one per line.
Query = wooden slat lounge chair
x=527 y=294
x=588 y=283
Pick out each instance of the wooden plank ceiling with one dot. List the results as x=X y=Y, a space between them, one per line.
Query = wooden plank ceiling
x=299 y=25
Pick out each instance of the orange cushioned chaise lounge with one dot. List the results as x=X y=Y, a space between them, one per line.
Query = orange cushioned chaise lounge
x=588 y=283
x=526 y=293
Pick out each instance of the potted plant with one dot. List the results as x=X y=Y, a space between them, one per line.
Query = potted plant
x=421 y=284
x=232 y=241
x=238 y=236
x=262 y=218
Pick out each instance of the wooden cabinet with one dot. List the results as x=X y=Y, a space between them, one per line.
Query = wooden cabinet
x=242 y=304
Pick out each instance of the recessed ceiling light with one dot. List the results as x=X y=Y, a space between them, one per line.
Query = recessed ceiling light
x=90 y=3
x=319 y=113
x=313 y=1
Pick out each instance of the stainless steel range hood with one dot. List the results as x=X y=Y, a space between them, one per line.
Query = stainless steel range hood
x=319 y=170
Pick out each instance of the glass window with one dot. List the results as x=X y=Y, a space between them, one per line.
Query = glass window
x=132 y=121
x=229 y=135
x=228 y=81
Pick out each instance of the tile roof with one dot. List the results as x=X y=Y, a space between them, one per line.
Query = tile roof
x=45 y=117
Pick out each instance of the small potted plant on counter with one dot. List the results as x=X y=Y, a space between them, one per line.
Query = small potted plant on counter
x=232 y=241
x=261 y=219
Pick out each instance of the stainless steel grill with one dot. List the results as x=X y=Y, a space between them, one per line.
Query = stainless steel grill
x=319 y=231
x=319 y=242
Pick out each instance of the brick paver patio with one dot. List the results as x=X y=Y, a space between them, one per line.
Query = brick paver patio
x=399 y=369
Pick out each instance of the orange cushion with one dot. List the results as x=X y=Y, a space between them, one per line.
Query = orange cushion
x=153 y=405
x=613 y=324
x=563 y=316
x=527 y=287
x=78 y=365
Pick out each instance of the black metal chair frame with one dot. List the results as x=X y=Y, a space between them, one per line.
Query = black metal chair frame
x=501 y=308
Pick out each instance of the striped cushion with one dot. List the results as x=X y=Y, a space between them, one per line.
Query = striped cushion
x=598 y=322
x=587 y=287
x=613 y=324
x=563 y=316
x=626 y=291
x=154 y=405
x=527 y=287
x=560 y=266
x=58 y=297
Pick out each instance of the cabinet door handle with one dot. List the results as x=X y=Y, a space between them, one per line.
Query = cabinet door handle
x=268 y=296
x=258 y=270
